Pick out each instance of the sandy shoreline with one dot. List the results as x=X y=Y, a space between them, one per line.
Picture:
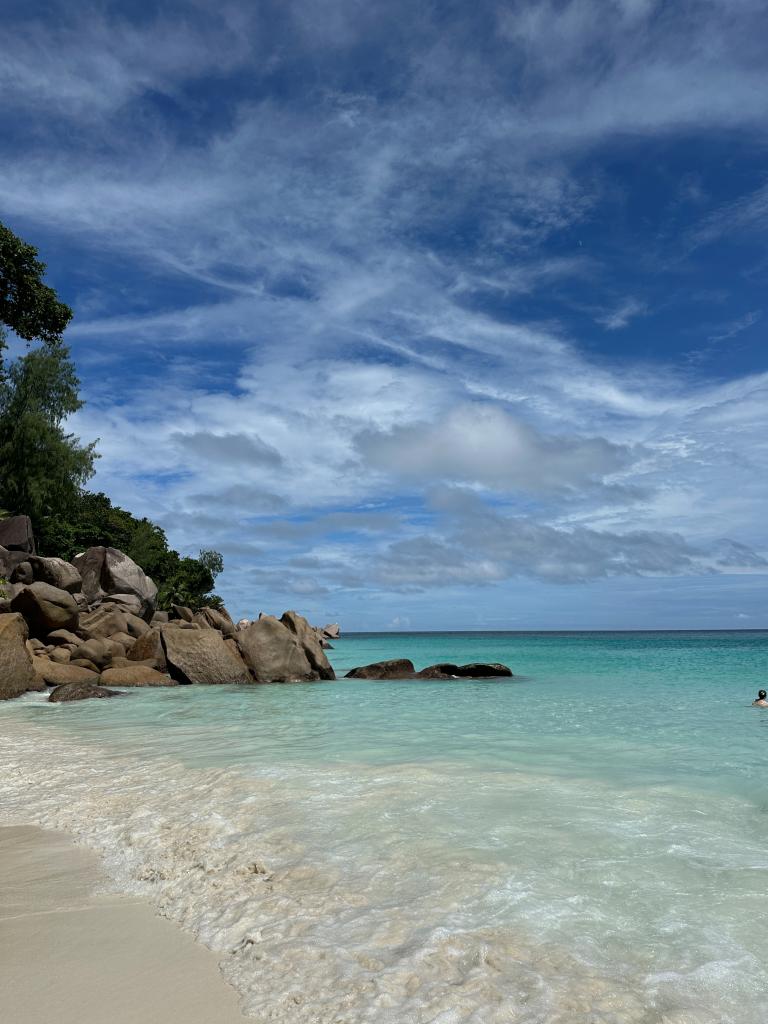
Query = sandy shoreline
x=76 y=957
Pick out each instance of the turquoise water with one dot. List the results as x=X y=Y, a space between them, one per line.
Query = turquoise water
x=586 y=842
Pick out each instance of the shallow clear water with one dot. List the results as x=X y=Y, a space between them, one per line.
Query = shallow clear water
x=587 y=842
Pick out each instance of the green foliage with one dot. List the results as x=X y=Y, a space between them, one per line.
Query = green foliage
x=42 y=467
x=92 y=519
x=189 y=582
x=30 y=308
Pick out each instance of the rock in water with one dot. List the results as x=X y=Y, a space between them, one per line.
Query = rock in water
x=402 y=668
x=79 y=691
x=476 y=670
x=396 y=668
x=483 y=670
x=273 y=653
x=17 y=673
x=46 y=608
x=201 y=656
x=307 y=637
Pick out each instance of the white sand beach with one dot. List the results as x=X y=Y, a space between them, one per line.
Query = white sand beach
x=78 y=957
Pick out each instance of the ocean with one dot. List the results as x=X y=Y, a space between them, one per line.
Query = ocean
x=586 y=843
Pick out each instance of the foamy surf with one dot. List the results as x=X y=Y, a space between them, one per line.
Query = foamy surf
x=427 y=893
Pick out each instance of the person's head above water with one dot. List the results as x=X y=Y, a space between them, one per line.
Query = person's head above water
x=761 y=695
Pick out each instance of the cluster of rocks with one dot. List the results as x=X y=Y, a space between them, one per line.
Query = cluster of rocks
x=403 y=668
x=85 y=626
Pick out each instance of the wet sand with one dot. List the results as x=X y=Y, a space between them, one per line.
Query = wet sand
x=72 y=956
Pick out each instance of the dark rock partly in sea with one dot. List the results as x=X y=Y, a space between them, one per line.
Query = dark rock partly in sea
x=79 y=691
x=402 y=668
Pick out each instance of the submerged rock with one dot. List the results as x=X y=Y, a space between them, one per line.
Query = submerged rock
x=79 y=691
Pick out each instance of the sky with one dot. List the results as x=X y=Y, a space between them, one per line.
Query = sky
x=427 y=316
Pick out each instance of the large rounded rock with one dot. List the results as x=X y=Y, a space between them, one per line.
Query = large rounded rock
x=308 y=639
x=23 y=573
x=201 y=656
x=9 y=560
x=46 y=608
x=215 y=618
x=395 y=668
x=79 y=691
x=136 y=627
x=16 y=534
x=17 y=673
x=57 y=572
x=107 y=571
x=103 y=622
x=100 y=651
x=273 y=653
x=63 y=636
x=128 y=603
x=149 y=647
x=53 y=674
x=484 y=670
x=180 y=611
x=136 y=675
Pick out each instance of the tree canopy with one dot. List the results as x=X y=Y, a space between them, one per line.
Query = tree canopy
x=28 y=306
x=43 y=468
x=92 y=519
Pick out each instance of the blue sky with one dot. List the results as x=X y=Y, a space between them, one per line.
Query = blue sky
x=425 y=315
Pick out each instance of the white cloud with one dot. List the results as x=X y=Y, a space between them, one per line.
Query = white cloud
x=481 y=443
x=339 y=242
x=615 y=319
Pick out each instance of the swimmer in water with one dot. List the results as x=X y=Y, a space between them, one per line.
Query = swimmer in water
x=761 y=702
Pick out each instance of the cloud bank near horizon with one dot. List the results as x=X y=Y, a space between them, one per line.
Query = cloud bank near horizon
x=428 y=312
